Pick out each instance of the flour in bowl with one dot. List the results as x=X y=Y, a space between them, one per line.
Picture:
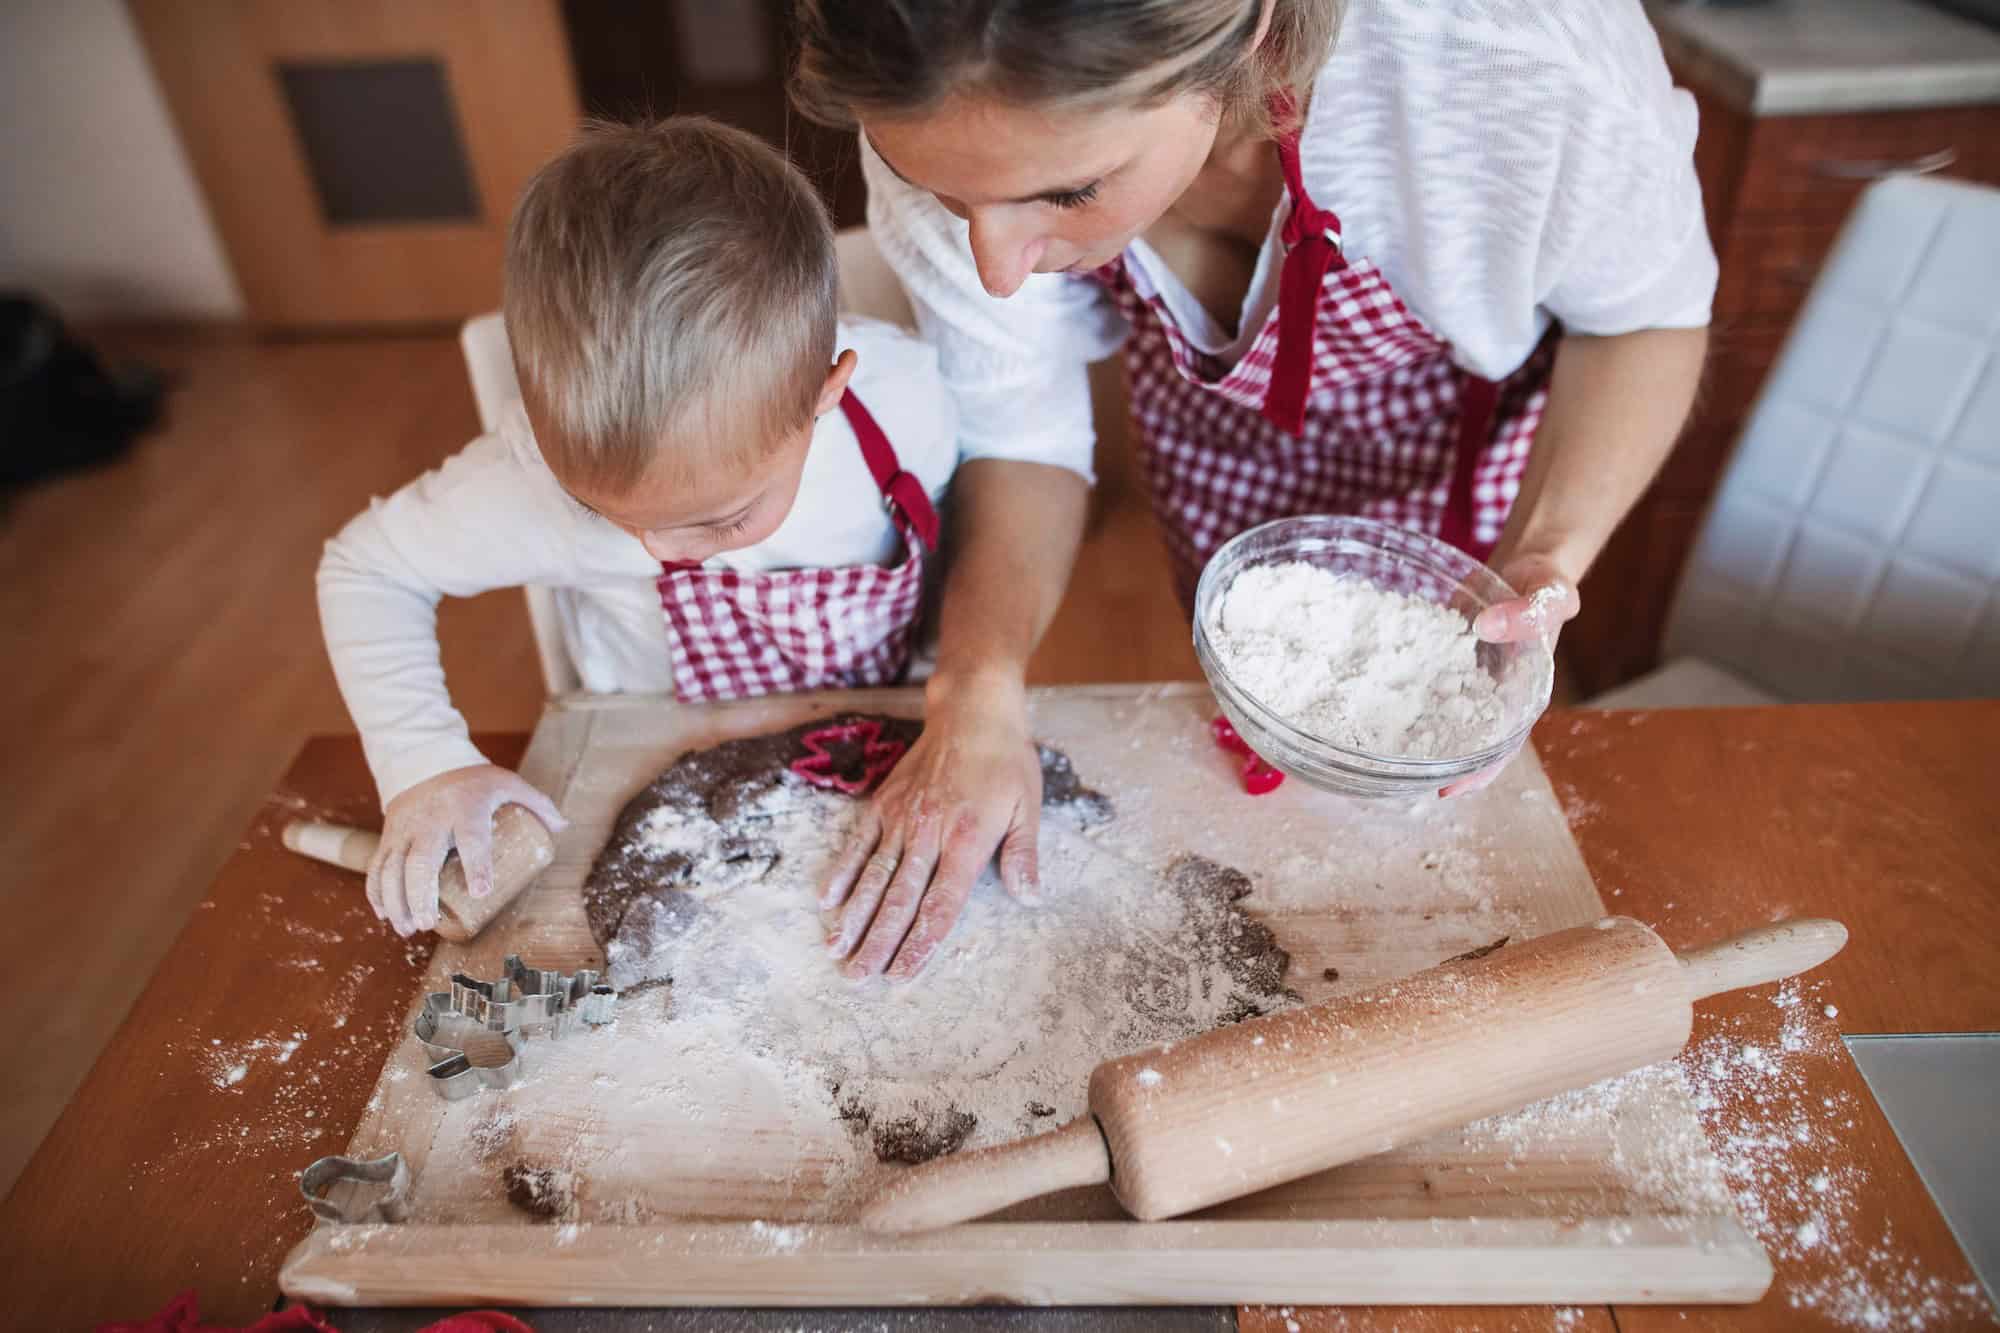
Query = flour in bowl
x=1358 y=665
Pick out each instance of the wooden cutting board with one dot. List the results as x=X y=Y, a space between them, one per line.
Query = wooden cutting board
x=1609 y=1196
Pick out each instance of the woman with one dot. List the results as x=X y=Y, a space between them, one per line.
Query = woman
x=1363 y=254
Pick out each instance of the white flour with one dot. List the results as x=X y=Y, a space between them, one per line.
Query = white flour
x=1358 y=665
x=1004 y=1025
x=1782 y=1154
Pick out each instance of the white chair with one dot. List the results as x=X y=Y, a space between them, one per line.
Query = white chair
x=868 y=286
x=489 y=362
x=1853 y=548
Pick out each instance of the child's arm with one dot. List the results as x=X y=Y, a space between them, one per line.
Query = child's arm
x=484 y=520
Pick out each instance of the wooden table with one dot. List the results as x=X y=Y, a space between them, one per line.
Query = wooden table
x=176 y=1164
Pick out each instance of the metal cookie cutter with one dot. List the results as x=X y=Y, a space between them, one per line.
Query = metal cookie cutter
x=393 y=1205
x=523 y=997
x=526 y=996
x=443 y=1031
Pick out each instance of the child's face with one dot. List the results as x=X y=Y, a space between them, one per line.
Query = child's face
x=688 y=519
x=685 y=519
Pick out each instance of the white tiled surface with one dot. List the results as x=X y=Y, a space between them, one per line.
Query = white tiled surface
x=1853 y=550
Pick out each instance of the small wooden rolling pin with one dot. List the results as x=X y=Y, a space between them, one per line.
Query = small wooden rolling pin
x=522 y=848
x=1245 y=1107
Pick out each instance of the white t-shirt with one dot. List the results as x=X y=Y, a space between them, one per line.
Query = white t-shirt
x=494 y=516
x=1503 y=162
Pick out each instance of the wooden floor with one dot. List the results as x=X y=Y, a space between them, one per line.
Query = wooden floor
x=166 y=657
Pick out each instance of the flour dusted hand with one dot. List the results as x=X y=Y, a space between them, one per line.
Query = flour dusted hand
x=1548 y=601
x=423 y=824
x=972 y=783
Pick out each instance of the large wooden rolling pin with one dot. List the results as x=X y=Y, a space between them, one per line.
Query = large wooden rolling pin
x=522 y=848
x=1245 y=1107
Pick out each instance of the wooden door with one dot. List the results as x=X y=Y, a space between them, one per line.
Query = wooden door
x=362 y=157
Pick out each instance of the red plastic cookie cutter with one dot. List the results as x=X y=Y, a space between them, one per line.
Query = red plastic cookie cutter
x=877 y=756
x=1259 y=778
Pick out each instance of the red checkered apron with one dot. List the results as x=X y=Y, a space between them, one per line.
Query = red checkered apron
x=735 y=635
x=1345 y=404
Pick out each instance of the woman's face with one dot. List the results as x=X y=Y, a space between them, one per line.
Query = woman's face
x=1049 y=191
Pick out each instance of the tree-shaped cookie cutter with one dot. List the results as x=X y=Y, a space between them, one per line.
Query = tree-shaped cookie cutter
x=522 y=998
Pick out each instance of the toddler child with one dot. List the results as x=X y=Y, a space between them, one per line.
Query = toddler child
x=701 y=463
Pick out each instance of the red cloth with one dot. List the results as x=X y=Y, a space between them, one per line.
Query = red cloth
x=181 y=1315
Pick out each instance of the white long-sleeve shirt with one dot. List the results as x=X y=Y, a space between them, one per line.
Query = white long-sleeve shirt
x=494 y=516
x=1505 y=163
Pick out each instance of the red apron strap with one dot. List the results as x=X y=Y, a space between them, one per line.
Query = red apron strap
x=1312 y=246
x=899 y=488
x=1478 y=406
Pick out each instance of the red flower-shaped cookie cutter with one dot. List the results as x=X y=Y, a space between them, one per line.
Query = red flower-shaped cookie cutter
x=877 y=756
x=1259 y=777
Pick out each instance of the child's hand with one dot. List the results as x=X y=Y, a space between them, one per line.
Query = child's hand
x=424 y=823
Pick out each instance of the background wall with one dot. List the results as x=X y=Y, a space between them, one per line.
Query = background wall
x=99 y=211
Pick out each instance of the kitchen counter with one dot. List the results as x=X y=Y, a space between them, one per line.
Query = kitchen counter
x=1812 y=57
x=1701 y=822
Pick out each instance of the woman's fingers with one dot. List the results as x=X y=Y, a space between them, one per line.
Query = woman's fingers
x=1020 y=857
x=958 y=869
x=898 y=908
x=1539 y=617
x=1550 y=603
x=861 y=845
x=870 y=886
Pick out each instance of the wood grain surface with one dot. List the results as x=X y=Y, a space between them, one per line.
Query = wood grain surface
x=163 y=1174
x=1879 y=815
x=1459 y=1215
x=1698 y=821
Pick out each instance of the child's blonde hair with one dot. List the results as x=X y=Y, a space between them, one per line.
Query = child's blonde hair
x=672 y=282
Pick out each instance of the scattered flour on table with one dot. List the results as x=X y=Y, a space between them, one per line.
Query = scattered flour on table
x=1771 y=1142
x=228 y=1064
x=1358 y=665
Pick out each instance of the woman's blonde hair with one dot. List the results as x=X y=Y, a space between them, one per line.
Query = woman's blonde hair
x=904 y=57
x=668 y=283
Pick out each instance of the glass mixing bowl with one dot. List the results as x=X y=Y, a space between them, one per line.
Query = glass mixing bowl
x=1389 y=557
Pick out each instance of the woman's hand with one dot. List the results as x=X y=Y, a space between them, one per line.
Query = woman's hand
x=971 y=783
x=1548 y=601
x=1615 y=406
